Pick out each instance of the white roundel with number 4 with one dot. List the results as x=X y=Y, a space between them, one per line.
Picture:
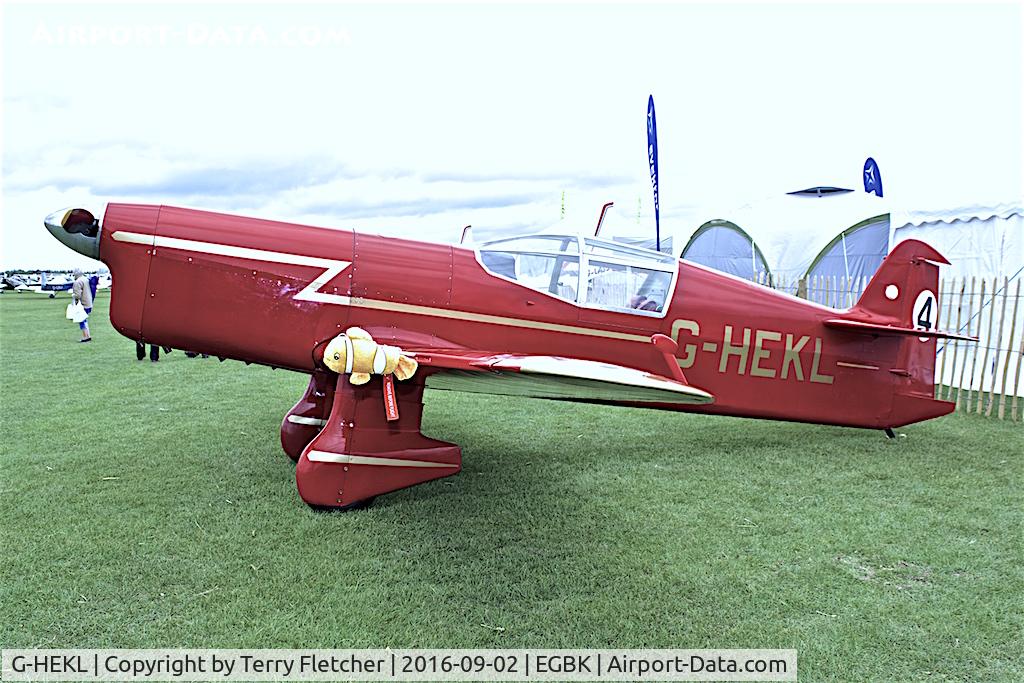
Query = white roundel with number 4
x=926 y=308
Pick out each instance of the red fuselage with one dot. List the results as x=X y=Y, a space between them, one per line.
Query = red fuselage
x=272 y=293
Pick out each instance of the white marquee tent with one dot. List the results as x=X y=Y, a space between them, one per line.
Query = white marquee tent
x=785 y=239
x=826 y=248
x=977 y=240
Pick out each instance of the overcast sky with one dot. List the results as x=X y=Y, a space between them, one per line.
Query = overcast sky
x=416 y=120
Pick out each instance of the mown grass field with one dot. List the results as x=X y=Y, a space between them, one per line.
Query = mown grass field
x=150 y=505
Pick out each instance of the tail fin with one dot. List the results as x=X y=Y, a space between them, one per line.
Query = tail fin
x=902 y=297
x=902 y=301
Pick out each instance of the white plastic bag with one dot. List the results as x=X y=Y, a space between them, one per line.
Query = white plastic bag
x=78 y=313
x=71 y=311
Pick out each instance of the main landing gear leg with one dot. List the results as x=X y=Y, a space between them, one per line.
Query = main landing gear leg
x=360 y=454
x=889 y=434
x=307 y=417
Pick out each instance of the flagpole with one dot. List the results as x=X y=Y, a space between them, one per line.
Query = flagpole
x=652 y=162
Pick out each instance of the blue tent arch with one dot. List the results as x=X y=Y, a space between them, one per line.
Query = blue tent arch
x=725 y=246
x=844 y=263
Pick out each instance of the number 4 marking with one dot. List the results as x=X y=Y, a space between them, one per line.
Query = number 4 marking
x=924 y=315
x=924 y=310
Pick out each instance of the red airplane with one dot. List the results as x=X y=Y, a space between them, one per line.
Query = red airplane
x=563 y=317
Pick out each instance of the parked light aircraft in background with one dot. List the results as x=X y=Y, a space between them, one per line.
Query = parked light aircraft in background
x=52 y=284
x=13 y=283
x=44 y=283
x=562 y=317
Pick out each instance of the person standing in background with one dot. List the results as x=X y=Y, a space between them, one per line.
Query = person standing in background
x=82 y=294
x=140 y=351
x=154 y=351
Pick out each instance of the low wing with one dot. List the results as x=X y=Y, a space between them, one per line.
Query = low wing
x=553 y=377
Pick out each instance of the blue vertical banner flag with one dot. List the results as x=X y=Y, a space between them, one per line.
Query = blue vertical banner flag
x=872 y=177
x=652 y=162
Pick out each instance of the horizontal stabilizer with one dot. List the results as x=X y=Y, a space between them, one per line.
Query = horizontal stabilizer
x=880 y=328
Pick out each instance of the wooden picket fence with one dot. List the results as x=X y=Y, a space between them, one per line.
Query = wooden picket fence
x=982 y=378
x=987 y=308
x=829 y=291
